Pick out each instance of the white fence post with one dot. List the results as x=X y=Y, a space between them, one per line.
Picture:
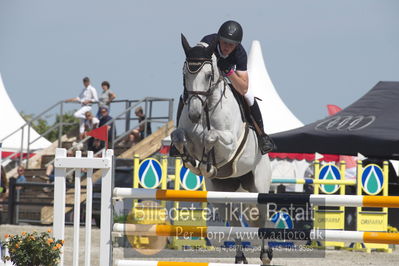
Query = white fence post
x=89 y=204
x=106 y=213
x=76 y=214
x=61 y=163
x=59 y=200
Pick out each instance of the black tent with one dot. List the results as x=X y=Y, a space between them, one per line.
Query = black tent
x=369 y=126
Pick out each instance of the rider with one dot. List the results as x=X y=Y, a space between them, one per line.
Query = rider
x=232 y=62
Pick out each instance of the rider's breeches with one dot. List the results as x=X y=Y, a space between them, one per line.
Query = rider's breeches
x=250 y=98
x=254 y=107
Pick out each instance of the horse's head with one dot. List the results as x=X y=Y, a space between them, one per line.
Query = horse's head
x=200 y=75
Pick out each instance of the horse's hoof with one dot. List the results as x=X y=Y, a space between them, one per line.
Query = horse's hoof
x=266 y=256
x=178 y=135
x=192 y=168
x=211 y=173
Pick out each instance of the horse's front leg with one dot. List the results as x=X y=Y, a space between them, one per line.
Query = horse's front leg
x=179 y=140
x=211 y=138
x=215 y=141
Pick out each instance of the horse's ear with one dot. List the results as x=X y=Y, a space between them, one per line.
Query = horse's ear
x=186 y=45
x=212 y=46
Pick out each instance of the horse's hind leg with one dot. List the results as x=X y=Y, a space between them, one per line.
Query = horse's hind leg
x=258 y=181
x=229 y=212
x=261 y=184
x=225 y=211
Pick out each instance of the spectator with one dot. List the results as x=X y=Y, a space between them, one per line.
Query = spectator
x=106 y=97
x=3 y=189
x=140 y=133
x=91 y=122
x=50 y=173
x=21 y=178
x=86 y=98
x=105 y=117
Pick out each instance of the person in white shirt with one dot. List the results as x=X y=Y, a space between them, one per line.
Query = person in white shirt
x=91 y=122
x=86 y=98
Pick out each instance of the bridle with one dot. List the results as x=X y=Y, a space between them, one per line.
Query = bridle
x=194 y=66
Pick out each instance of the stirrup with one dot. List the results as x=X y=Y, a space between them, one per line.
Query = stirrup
x=266 y=144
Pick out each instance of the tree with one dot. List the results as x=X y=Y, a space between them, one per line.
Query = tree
x=69 y=122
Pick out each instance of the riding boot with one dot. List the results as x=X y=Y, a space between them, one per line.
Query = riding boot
x=266 y=144
x=173 y=152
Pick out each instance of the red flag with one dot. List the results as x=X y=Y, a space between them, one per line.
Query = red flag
x=100 y=133
x=165 y=150
x=333 y=109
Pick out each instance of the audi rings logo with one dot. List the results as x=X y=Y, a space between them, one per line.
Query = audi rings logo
x=347 y=122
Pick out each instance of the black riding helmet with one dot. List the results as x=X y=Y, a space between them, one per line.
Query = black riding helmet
x=230 y=31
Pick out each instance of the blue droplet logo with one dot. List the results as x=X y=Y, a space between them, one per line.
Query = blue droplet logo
x=329 y=172
x=372 y=179
x=282 y=220
x=150 y=173
x=189 y=180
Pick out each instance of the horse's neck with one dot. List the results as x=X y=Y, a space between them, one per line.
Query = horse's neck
x=224 y=107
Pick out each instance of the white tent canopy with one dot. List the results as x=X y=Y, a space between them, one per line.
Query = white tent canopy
x=276 y=115
x=10 y=121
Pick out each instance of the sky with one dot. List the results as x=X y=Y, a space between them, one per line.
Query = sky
x=316 y=52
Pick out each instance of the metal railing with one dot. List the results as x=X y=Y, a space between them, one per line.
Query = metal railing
x=148 y=103
x=28 y=126
x=127 y=106
x=18 y=197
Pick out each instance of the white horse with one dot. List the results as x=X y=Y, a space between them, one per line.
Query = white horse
x=211 y=135
x=212 y=138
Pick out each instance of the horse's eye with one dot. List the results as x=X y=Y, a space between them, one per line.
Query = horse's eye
x=208 y=76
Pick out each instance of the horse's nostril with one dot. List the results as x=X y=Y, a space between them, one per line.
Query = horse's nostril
x=194 y=117
x=195 y=110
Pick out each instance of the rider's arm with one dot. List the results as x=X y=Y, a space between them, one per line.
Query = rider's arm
x=239 y=79
x=76 y=99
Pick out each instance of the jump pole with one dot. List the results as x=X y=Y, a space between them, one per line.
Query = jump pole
x=257 y=198
x=172 y=263
x=267 y=233
x=314 y=182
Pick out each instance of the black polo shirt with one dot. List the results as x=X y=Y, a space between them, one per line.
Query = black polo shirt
x=237 y=58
